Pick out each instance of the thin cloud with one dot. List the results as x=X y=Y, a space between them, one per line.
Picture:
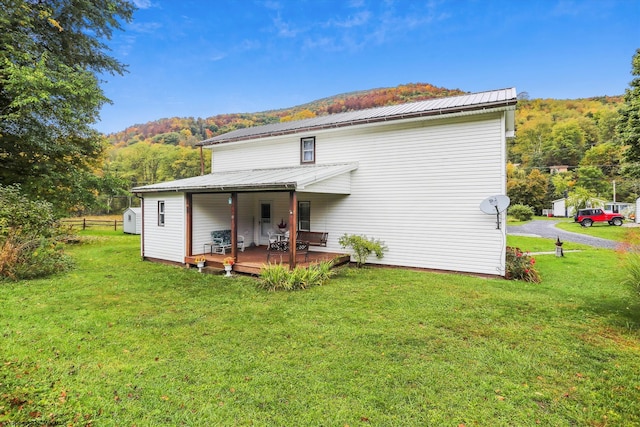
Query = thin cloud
x=284 y=29
x=125 y=45
x=360 y=19
x=143 y=4
x=145 y=27
x=573 y=8
x=272 y=5
x=355 y=3
x=217 y=57
x=247 y=45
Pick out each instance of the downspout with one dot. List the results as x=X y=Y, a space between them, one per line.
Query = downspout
x=141 y=227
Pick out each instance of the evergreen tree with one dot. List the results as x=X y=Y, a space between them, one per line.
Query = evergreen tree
x=52 y=53
x=628 y=128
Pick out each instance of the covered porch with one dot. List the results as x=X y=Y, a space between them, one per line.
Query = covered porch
x=254 y=258
x=248 y=204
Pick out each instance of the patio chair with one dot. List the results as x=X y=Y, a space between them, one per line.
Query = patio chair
x=282 y=247
x=220 y=241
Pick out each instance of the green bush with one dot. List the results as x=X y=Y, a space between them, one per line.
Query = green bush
x=521 y=212
x=30 y=239
x=276 y=277
x=520 y=266
x=362 y=247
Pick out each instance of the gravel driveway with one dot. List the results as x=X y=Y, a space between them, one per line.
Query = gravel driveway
x=538 y=228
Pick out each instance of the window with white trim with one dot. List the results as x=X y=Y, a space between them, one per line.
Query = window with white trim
x=161 y=213
x=308 y=150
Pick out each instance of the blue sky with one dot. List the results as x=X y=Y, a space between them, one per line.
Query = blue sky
x=202 y=58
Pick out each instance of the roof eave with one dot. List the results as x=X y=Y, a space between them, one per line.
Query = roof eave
x=286 y=186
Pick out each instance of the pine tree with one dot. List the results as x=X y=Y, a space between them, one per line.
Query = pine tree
x=628 y=128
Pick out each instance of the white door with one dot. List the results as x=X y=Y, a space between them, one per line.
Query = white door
x=266 y=223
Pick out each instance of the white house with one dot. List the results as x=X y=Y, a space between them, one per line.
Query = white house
x=391 y=173
x=132 y=220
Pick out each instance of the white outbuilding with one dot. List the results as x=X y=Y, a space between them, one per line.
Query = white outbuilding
x=561 y=209
x=132 y=221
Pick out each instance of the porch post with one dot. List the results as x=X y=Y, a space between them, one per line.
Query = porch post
x=293 y=227
x=234 y=225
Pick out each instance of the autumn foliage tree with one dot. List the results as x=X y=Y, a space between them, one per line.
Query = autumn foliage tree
x=527 y=189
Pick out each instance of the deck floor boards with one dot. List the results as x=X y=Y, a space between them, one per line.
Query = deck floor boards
x=254 y=258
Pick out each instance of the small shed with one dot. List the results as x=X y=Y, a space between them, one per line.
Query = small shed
x=560 y=208
x=132 y=221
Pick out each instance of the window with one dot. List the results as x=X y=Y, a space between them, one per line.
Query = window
x=304 y=216
x=308 y=150
x=161 y=213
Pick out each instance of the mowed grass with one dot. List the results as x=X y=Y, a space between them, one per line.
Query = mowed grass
x=598 y=229
x=118 y=341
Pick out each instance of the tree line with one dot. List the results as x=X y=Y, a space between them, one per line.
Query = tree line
x=50 y=97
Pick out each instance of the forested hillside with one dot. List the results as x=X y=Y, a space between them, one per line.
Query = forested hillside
x=579 y=134
x=576 y=135
x=187 y=131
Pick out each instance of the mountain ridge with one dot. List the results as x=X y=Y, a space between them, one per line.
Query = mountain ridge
x=187 y=131
x=208 y=127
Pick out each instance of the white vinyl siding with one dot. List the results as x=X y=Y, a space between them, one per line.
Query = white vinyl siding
x=340 y=184
x=212 y=212
x=418 y=187
x=167 y=241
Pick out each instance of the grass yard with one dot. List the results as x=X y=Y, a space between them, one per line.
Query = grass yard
x=598 y=229
x=121 y=342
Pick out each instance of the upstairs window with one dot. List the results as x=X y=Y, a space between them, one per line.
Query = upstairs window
x=161 y=213
x=308 y=150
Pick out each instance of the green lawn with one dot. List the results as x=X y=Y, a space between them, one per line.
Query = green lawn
x=122 y=342
x=598 y=229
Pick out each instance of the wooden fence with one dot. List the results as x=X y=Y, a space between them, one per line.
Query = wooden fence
x=98 y=223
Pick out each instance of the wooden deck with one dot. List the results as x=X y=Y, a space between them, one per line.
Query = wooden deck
x=254 y=258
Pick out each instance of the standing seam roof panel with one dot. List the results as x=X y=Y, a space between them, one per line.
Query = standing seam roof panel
x=507 y=96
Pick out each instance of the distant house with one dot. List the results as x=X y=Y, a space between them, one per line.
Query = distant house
x=132 y=220
x=558 y=169
x=392 y=173
x=559 y=207
x=626 y=209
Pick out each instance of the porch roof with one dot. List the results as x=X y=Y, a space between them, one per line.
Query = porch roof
x=287 y=178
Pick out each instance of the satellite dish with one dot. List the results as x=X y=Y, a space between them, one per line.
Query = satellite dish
x=495 y=205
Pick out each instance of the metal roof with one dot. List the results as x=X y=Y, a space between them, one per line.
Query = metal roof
x=431 y=107
x=288 y=178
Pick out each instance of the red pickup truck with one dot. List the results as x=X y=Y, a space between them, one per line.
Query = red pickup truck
x=586 y=217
